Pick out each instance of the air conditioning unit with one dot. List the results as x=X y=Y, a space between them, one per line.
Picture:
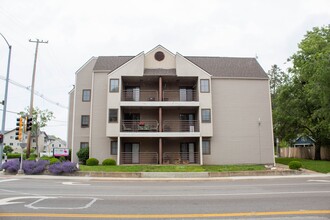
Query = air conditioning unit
x=192 y=128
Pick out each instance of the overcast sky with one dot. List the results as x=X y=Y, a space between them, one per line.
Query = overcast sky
x=79 y=29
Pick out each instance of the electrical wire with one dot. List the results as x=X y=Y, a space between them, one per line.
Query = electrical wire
x=35 y=92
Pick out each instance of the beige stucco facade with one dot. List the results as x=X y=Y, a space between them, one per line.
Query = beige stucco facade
x=161 y=113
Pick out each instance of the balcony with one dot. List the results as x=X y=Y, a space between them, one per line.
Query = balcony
x=180 y=158
x=139 y=158
x=137 y=95
x=181 y=95
x=181 y=126
x=140 y=126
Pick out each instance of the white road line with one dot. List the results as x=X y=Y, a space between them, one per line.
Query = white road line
x=31 y=205
x=321 y=181
x=195 y=195
x=75 y=184
x=7 y=180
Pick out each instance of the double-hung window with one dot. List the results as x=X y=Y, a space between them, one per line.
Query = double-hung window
x=86 y=95
x=114 y=85
x=206 y=115
x=85 y=121
x=205 y=85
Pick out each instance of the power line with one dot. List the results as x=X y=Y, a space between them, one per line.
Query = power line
x=35 y=92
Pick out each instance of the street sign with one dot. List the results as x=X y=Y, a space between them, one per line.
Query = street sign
x=23 y=145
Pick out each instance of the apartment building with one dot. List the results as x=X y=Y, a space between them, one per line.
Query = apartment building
x=164 y=108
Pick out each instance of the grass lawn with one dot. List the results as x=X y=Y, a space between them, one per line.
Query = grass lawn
x=322 y=166
x=171 y=168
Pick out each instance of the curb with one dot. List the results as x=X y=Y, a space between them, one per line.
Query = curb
x=186 y=174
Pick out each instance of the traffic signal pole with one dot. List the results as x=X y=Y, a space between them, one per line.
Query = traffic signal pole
x=5 y=102
x=32 y=94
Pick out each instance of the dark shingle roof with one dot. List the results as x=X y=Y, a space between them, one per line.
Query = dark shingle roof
x=110 y=63
x=229 y=66
x=215 y=66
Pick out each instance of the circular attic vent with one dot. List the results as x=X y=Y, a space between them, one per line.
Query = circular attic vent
x=159 y=56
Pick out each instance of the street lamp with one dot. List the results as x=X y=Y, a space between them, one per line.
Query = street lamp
x=5 y=101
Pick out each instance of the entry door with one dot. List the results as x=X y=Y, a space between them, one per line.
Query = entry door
x=186 y=94
x=191 y=153
x=135 y=153
x=132 y=93
x=188 y=152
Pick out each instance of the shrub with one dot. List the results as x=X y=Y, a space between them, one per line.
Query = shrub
x=55 y=168
x=62 y=158
x=64 y=167
x=295 y=165
x=53 y=160
x=8 y=149
x=83 y=155
x=14 y=155
x=34 y=167
x=11 y=166
x=109 y=162
x=92 y=162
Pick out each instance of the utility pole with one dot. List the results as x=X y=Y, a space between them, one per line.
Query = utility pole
x=32 y=93
x=5 y=102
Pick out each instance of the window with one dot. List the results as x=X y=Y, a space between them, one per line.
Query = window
x=59 y=145
x=86 y=95
x=52 y=145
x=113 y=115
x=206 y=115
x=85 y=121
x=114 y=85
x=11 y=137
x=206 y=147
x=205 y=85
x=84 y=145
x=114 y=147
x=11 y=144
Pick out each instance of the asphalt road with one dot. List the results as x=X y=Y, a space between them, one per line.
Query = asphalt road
x=273 y=198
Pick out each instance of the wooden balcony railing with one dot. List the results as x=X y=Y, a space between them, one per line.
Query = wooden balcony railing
x=180 y=158
x=137 y=95
x=139 y=158
x=180 y=126
x=179 y=95
x=139 y=126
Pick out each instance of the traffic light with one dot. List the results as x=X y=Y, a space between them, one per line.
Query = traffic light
x=1 y=138
x=19 y=129
x=28 y=124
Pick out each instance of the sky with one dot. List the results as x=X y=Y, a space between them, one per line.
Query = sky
x=77 y=30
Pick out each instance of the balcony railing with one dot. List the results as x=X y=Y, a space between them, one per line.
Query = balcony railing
x=180 y=95
x=139 y=158
x=137 y=95
x=180 y=126
x=140 y=126
x=180 y=158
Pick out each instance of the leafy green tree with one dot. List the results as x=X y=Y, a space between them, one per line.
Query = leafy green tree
x=277 y=78
x=8 y=149
x=40 y=118
x=83 y=155
x=303 y=104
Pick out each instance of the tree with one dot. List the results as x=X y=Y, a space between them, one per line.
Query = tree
x=40 y=118
x=303 y=104
x=277 y=77
x=8 y=149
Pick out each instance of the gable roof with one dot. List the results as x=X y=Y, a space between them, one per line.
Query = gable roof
x=230 y=66
x=110 y=63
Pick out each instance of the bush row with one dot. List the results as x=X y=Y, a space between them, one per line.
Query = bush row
x=94 y=162
x=32 y=167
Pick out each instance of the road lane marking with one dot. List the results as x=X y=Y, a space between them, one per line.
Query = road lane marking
x=8 y=201
x=322 y=181
x=7 y=180
x=192 y=195
x=75 y=184
x=32 y=205
x=146 y=216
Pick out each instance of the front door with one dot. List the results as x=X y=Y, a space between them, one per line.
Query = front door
x=132 y=93
x=135 y=153
x=187 y=151
x=131 y=152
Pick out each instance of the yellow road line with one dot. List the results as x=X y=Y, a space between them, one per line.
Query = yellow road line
x=145 y=216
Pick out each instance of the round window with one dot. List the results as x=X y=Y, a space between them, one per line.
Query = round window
x=159 y=56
